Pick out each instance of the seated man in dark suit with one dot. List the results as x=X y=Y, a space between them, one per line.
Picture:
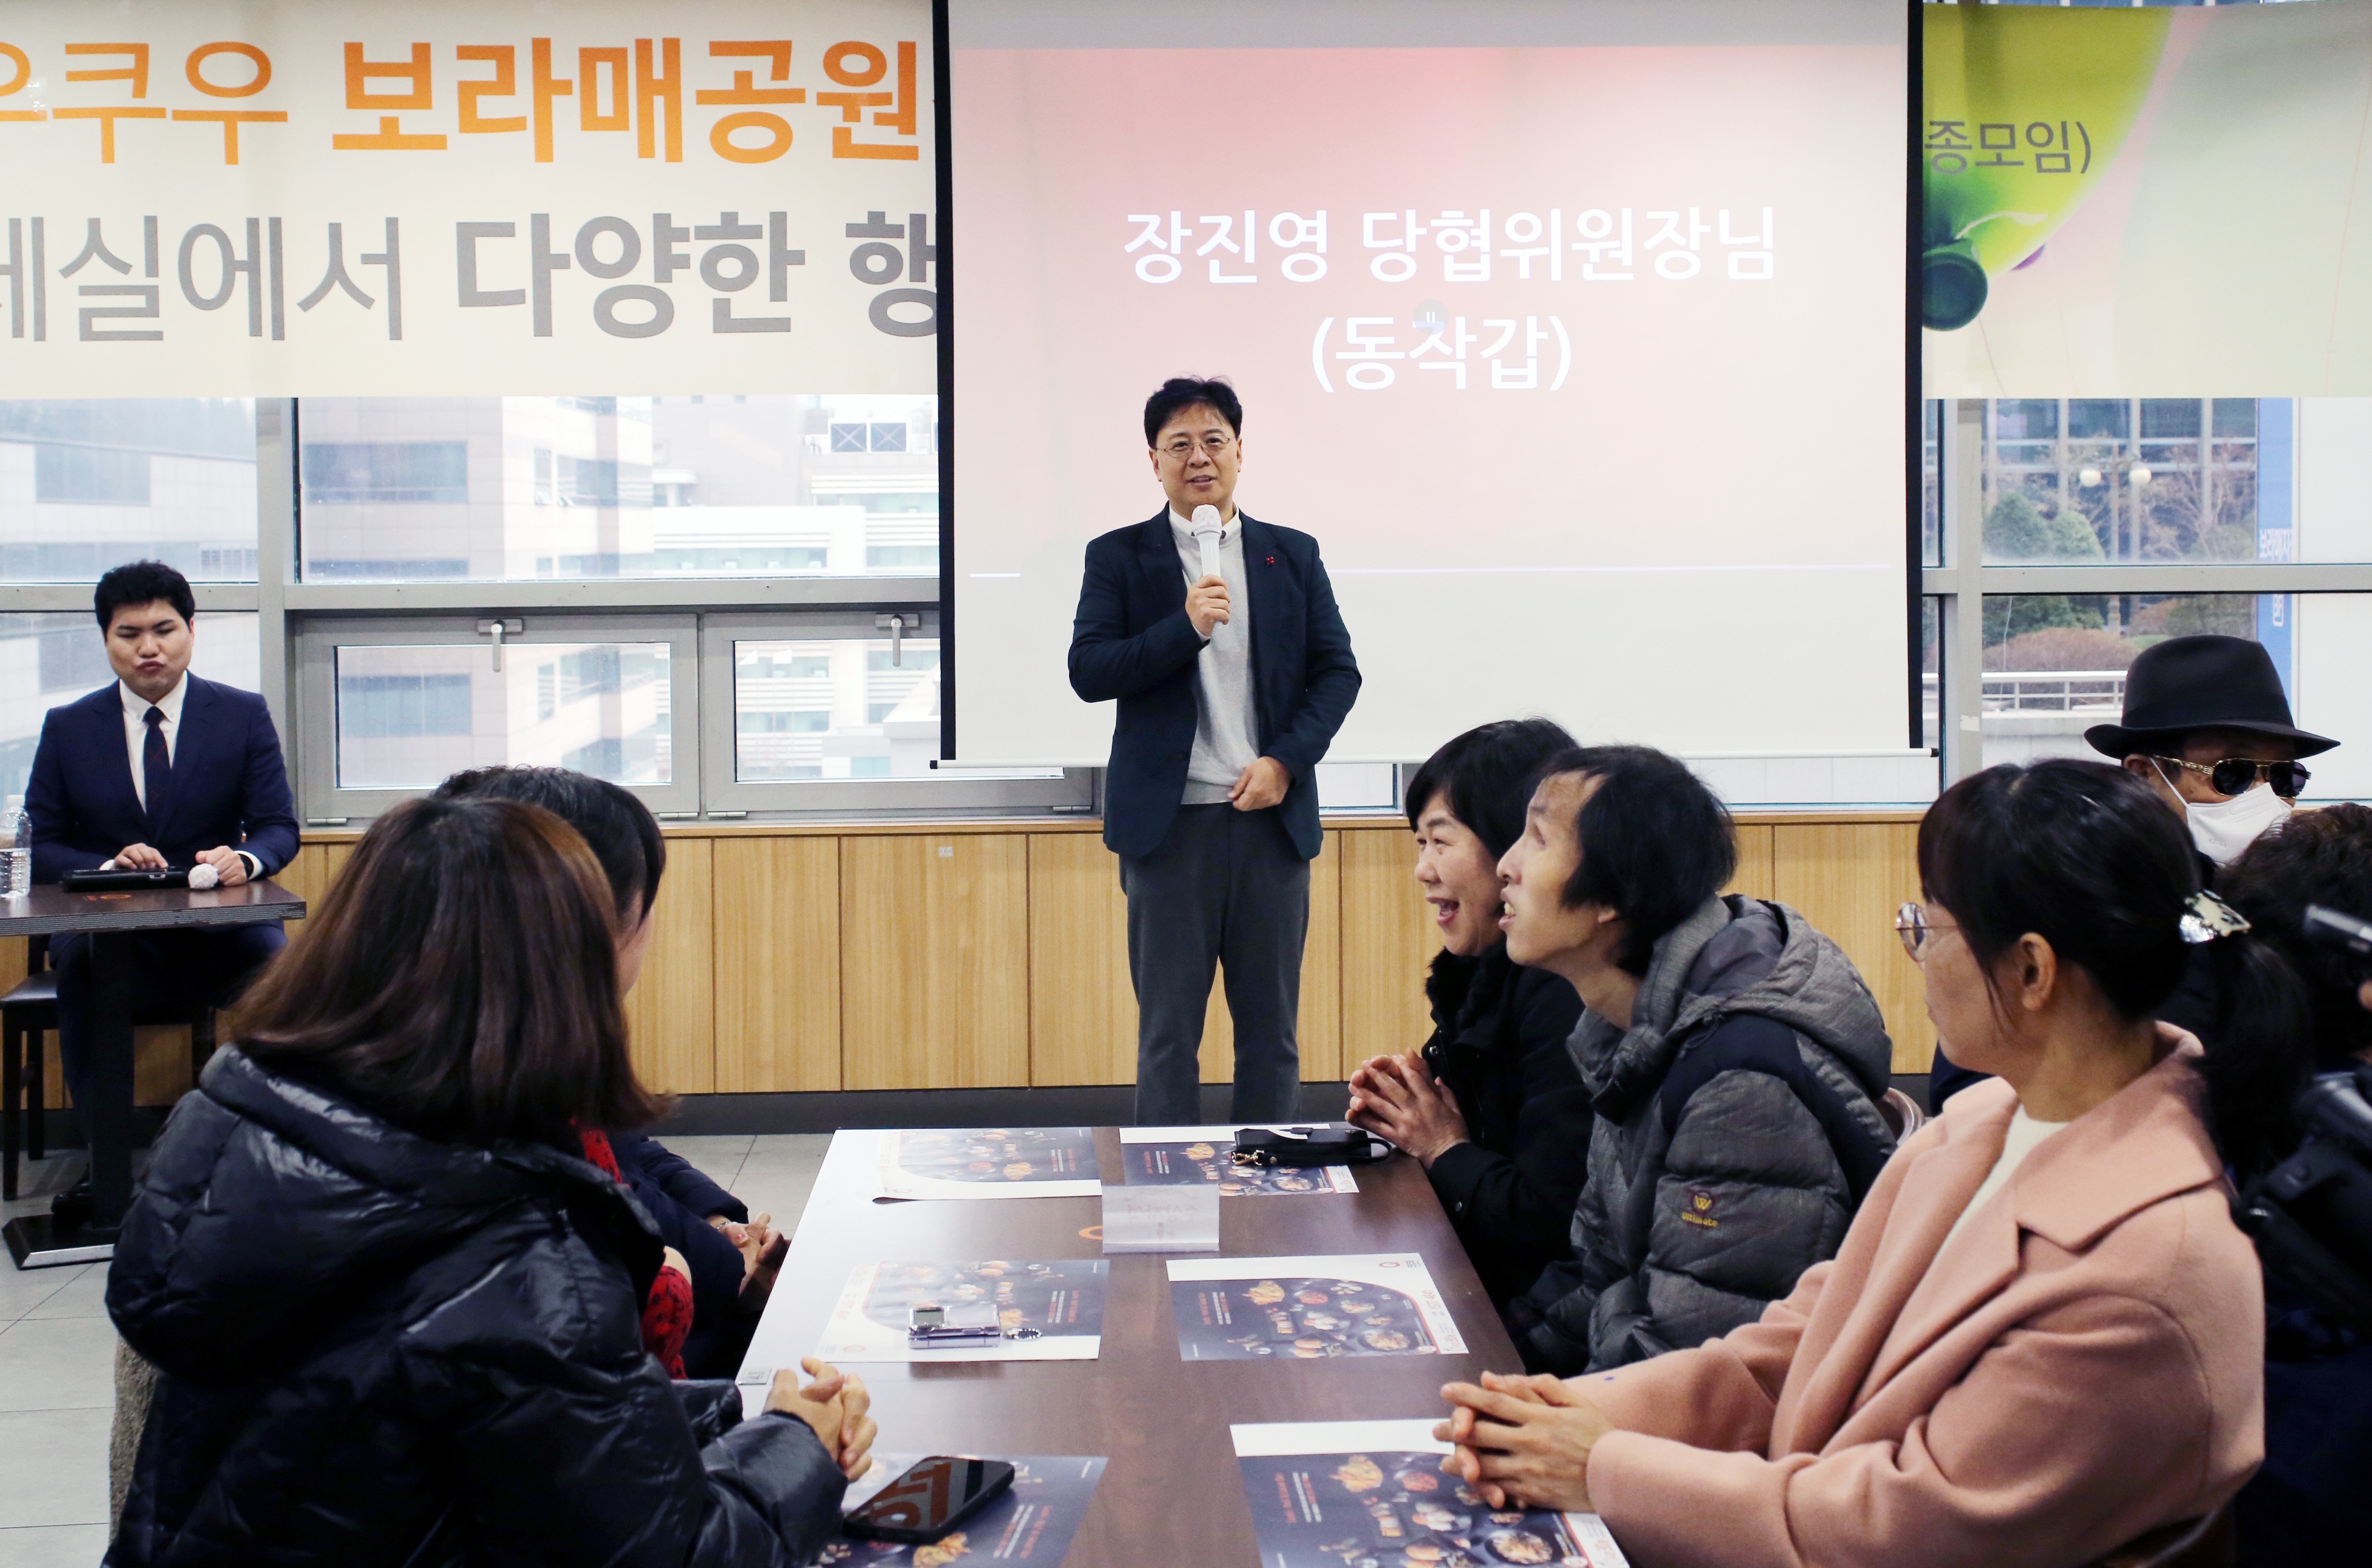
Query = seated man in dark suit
x=160 y=768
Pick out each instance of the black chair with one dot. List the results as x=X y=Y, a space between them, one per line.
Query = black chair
x=27 y=1014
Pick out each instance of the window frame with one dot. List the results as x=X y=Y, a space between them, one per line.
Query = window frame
x=322 y=800
x=1963 y=580
x=955 y=793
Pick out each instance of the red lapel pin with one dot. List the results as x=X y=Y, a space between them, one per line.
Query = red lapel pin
x=1272 y=559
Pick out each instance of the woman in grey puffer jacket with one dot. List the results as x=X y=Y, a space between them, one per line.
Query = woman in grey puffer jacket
x=1735 y=1059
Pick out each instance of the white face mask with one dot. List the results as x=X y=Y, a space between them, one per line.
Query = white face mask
x=2224 y=829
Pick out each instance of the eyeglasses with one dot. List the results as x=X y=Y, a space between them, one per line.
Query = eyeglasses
x=1911 y=924
x=1183 y=448
x=2237 y=775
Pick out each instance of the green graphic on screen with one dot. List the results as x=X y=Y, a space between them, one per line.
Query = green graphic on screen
x=2025 y=107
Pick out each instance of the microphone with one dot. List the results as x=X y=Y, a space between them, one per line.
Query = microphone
x=1207 y=534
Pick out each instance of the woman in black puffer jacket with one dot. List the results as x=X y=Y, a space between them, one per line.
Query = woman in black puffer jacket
x=1492 y=1106
x=397 y=1316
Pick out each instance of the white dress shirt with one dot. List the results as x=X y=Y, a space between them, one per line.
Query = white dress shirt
x=135 y=744
x=1227 y=725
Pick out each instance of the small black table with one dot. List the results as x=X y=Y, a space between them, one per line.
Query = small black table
x=39 y=1241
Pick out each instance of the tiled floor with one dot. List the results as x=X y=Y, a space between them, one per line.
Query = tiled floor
x=57 y=1353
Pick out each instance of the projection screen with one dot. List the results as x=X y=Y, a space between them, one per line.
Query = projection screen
x=1574 y=332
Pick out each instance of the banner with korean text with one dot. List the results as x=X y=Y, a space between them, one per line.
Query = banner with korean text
x=219 y=199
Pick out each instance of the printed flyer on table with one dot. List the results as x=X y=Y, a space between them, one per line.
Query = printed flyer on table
x=1048 y=1311
x=986 y=1162
x=1374 y=1494
x=1185 y=1156
x=1309 y=1309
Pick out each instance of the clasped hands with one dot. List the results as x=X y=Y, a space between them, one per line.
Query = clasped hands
x=835 y=1405
x=230 y=866
x=1396 y=1098
x=763 y=1248
x=1523 y=1442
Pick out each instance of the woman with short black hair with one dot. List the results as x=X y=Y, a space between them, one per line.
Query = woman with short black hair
x=1735 y=1061
x=396 y=1313
x=1492 y=1105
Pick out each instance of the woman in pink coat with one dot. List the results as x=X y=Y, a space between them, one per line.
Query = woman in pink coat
x=2043 y=1336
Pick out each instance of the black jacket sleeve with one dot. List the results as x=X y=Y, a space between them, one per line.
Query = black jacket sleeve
x=619 y=1478
x=717 y=1268
x=50 y=803
x=1330 y=681
x=680 y=1180
x=1511 y=1196
x=1107 y=660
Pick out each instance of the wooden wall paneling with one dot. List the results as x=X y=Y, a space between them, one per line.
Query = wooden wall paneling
x=307 y=875
x=934 y=956
x=777 y=964
x=1389 y=940
x=161 y=1063
x=160 y=1055
x=671 y=1012
x=1847 y=880
x=12 y=969
x=1082 y=1005
x=1219 y=1055
x=1754 y=851
x=1318 y=1029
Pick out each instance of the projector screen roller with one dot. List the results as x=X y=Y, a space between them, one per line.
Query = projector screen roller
x=1584 y=362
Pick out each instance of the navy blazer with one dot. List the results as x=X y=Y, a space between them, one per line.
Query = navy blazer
x=680 y=1198
x=1132 y=641
x=229 y=786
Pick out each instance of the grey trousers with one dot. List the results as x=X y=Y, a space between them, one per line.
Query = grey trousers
x=1225 y=887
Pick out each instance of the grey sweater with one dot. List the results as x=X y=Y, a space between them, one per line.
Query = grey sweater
x=1739 y=1125
x=1227 y=727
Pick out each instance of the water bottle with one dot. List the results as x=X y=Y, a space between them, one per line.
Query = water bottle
x=16 y=858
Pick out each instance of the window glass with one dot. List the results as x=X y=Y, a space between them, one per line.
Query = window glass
x=1931 y=666
x=504 y=489
x=844 y=709
x=411 y=714
x=87 y=483
x=48 y=659
x=2145 y=481
x=2055 y=666
x=1931 y=495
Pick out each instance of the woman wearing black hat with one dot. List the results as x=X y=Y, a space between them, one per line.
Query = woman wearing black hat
x=2207 y=725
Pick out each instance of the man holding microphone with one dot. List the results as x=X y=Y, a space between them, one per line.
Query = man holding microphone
x=1219 y=636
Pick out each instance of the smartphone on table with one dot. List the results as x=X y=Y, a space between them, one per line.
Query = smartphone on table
x=932 y=1497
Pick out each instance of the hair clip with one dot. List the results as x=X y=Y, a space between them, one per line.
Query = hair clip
x=2206 y=917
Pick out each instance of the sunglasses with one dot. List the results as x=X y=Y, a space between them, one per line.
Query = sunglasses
x=2237 y=775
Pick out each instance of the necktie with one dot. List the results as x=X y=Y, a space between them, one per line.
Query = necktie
x=156 y=766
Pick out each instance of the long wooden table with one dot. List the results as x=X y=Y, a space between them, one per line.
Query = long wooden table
x=1172 y=1493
